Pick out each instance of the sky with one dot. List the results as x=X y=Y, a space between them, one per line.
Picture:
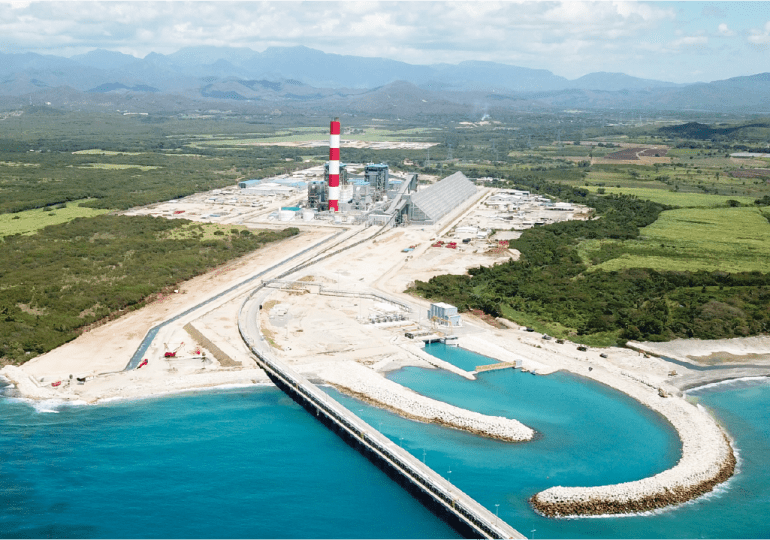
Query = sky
x=680 y=42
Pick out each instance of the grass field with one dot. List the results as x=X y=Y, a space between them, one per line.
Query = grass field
x=99 y=152
x=319 y=134
x=726 y=239
x=31 y=220
x=206 y=231
x=675 y=198
x=116 y=166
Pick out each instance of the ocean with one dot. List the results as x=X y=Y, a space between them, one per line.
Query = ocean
x=249 y=462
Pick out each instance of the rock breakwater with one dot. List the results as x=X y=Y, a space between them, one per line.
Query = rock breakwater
x=366 y=385
x=689 y=479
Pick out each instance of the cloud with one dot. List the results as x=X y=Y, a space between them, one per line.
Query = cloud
x=465 y=27
x=725 y=31
x=760 y=37
x=689 y=41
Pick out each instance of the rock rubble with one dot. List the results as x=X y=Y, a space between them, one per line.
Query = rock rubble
x=707 y=460
x=363 y=383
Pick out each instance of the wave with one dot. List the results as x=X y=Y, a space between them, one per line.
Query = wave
x=742 y=382
x=50 y=406
x=54 y=406
x=217 y=388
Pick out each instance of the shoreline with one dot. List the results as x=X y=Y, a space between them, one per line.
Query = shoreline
x=63 y=401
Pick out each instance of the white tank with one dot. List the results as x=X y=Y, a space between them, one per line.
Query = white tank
x=337 y=218
x=286 y=215
x=308 y=215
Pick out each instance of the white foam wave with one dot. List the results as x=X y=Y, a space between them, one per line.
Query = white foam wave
x=49 y=406
x=183 y=391
x=730 y=382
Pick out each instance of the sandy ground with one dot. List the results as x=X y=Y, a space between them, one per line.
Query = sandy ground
x=102 y=352
x=751 y=350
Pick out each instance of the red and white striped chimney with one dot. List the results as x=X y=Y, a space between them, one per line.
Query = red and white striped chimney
x=334 y=165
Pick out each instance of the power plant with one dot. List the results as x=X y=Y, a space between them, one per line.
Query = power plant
x=377 y=197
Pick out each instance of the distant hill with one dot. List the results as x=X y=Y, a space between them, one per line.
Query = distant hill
x=300 y=75
x=696 y=130
x=613 y=82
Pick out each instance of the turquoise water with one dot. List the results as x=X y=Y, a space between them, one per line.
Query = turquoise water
x=251 y=463
x=590 y=435
x=231 y=464
x=458 y=357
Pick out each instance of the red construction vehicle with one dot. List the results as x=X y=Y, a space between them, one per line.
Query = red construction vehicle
x=172 y=354
x=452 y=245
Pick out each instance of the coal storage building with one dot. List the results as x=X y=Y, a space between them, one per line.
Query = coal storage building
x=433 y=202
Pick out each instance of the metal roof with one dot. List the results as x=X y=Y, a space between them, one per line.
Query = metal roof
x=437 y=200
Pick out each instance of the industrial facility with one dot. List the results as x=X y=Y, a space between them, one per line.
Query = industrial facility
x=337 y=193
x=375 y=196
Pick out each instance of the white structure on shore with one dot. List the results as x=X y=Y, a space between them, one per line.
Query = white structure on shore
x=444 y=314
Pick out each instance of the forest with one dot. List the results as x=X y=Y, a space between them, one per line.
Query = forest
x=553 y=289
x=59 y=281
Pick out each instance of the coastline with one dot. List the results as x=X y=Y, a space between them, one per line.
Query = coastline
x=332 y=337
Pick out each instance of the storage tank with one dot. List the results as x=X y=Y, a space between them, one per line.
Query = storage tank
x=308 y=215
x=286 y=215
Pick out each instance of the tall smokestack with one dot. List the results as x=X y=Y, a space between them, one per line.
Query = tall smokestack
x=334 y=165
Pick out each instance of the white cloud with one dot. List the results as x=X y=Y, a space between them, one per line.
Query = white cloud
x=18 y=4
x=760 y=37
x=724 y=30
x=438 y=29
x=689 y=41
x=570 y=38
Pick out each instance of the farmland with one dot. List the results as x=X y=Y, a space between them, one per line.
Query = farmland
x=692 y=239
x=665 y=195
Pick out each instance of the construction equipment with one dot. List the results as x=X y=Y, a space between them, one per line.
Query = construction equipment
x=171 y=354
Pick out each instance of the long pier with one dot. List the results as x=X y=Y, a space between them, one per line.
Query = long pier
x=457 y=508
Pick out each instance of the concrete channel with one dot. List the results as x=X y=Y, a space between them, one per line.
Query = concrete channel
x=458 y=509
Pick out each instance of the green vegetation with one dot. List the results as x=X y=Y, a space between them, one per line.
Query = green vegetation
x=677 y=249
x=30 y=221
x=674 y=198
x=726 y=239
x=561 y=285
x=71 y=275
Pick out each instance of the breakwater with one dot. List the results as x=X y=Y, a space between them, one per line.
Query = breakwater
x=454 y=506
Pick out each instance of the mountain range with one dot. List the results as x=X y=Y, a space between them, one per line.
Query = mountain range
x=302 y=77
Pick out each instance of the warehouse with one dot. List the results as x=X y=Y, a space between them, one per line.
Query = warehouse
x=430 y=204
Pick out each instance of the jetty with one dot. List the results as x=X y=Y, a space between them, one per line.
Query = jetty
x=455 y=507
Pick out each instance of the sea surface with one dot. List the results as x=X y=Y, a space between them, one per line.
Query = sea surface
x=251 y=463
x=240 y=463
